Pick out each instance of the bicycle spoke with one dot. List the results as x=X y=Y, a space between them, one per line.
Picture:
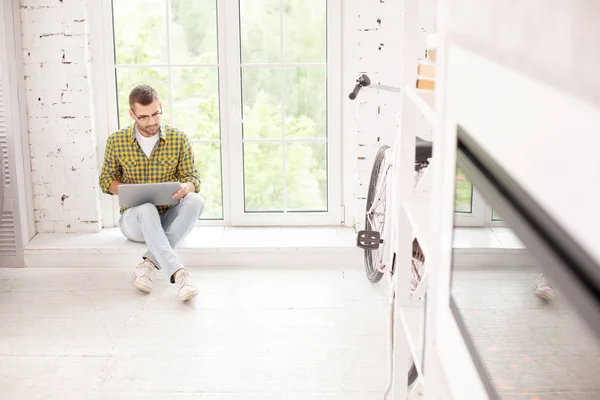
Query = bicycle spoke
x=377 y=204
x=372 y=223
x=380 y=193
x=377 y=220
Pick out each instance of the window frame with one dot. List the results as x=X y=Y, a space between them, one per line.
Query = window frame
x=334 y=116
x=477 y=215
x=229 y=68
x=480 y=215
x=489 y=222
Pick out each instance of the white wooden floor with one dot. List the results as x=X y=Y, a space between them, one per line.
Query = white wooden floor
x=252 y=333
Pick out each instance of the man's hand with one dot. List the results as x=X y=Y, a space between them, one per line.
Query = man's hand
x=114 y=187
x=184 y=189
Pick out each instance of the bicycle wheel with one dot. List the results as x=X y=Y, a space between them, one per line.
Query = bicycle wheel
x=375 y=218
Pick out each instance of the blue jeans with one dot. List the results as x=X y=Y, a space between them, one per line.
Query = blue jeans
x=162 y=233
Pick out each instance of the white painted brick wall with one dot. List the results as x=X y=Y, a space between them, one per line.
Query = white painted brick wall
x=60 y=115
x=378 y=56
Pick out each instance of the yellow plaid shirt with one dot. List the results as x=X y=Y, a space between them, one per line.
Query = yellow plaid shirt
x=171 y=161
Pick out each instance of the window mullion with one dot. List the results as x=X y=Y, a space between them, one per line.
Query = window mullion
x=282 y=77
x=232 y=139
x=169 y=75
x=282 y=89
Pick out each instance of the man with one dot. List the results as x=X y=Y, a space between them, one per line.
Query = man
x=148 y=152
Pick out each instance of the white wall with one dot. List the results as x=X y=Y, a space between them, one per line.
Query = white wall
x=375 y=46
x=60 y=115
x=377 y=52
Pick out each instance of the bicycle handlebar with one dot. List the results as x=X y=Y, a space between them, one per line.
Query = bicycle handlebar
x=355 y=91
x=363 y=81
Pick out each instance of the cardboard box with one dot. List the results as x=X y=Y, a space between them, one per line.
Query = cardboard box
x=432 y=55
x=425 y=84
x=426 y=70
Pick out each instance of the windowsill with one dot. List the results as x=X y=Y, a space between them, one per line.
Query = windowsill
x=489 y=247
x=229 y=246
x=486 y=239
x=205 y=246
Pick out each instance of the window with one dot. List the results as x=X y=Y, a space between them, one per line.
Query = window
x=469 y=207
x=464 y=194
x=284 y=98
x=180 y=60
x=249 y=81
x=496 y=216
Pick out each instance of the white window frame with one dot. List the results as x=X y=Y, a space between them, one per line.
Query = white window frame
x=231 y=122
x=477 y=215
x=488 y=218
x=480 y=215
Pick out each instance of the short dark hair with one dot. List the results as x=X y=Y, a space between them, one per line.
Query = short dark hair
x=142 y=94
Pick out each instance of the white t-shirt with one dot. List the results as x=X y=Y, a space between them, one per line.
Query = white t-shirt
x=146 y=143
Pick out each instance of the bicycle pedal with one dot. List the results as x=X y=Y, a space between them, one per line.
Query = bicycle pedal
x=368 y=240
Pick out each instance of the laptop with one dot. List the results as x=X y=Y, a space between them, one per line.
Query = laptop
x=159 y=194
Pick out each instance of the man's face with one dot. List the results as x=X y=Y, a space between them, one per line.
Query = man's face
x=147 y=117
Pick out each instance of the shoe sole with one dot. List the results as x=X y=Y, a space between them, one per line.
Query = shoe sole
x=544 y=296
x=188 y=296
x=141 y=287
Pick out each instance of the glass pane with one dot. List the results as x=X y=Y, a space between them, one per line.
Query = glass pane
x=305 y=102
x=261 y=96
x=263 y=177
x=260 y=32
x=304 y=31
x=208 y=162
x=196 y=102
x=193 y=31
x=306 y=176
x=496 y=216
x=140 y=30
x=128 y=78
x=464 y=193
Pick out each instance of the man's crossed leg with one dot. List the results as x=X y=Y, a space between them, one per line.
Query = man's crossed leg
x=162 y=233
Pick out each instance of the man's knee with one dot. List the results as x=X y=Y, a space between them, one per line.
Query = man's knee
x=195 y=200
x=146 y=210
x=135 y=218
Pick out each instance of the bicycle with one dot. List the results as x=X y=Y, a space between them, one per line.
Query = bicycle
x=379 y=258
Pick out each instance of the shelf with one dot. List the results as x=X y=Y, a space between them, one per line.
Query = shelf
x=411 y=321
x=424 y=100
x=418 y=210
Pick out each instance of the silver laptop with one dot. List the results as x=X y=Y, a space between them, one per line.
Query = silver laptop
x=159 y=194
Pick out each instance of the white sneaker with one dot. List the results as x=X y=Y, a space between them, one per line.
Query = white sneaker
x=187 y=289
x=144 y=275
x=543 y=289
